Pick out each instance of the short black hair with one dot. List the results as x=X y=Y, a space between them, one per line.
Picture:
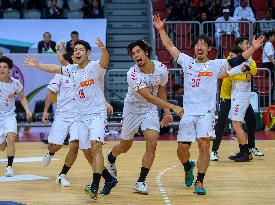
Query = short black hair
x=240 y=40
x=142 y=44
x=5 y=59
x=177 y=87
x=47 y=32
x=269 y=34
x=74 y=32
x=204 y=38
x=236 y=49
x=83 y=43
x=68 y=58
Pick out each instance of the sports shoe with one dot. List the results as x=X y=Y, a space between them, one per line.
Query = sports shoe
x=243 y=158
x=111 y=167
x=91 y=190
x=9 y=171
x=256 y=152
x=214 y=156
x=199 y=188
x=189 y=176
x=61 y=179
x=233 y=157
x=108 y=186
x=46 y=159
x=141 y=187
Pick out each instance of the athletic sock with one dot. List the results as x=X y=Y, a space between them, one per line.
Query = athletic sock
x=106 y=175
x=143 y=174
x=10 y=160
x=200 y=177
x=186 y=165
x=111 y=158
x=65 y=170
x=96 y=180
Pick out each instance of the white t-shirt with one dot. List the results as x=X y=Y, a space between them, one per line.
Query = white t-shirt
x=267 y=51
x=89 y=95
x=66 y=102
x=138 y=80
x=200 y=84
x=241 y=89
x=8 y=91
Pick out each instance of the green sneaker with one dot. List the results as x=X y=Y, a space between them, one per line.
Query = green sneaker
x=199 y=188
x=189 y=176
x=91 y=190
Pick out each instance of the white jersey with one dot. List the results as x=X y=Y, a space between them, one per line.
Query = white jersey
x=241 y=89
x=8 y=91
x=200 y=84
x=89 y=95
x=66 y=102
x=138 y=80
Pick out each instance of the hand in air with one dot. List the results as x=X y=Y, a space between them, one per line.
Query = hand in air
x=159 y=24
x=99 y=43
x=30 y=62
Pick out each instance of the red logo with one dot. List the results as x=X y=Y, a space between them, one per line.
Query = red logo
x=87 y=83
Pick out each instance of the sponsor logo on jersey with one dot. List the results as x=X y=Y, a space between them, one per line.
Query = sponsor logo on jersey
x=87 y=83
x=205 y=74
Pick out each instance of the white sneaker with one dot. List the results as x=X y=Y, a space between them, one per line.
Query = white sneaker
x=141 y=187
x=256 y=152
x=214 y=156
x=9 y=171
x=46 y=159
x=61 y=179
x=111 y=167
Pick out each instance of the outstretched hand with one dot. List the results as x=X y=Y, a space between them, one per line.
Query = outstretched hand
x=166 y=120
x=257 y=43
x=30 y=62
x=99 y=43
x=158 y=23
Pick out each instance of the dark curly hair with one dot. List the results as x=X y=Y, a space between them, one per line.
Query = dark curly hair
x=142 y=44
x=7 y=60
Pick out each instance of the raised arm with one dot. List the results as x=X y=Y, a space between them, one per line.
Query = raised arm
x=60 y=57
x=25 y=104
x=256 y=43
x=166 y=41
x=104 y=61
x=49 y=68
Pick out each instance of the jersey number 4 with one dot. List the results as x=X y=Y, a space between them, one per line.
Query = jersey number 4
x=196 y=82
x=81 y=94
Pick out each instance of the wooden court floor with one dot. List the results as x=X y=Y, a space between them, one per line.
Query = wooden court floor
x=226 y=182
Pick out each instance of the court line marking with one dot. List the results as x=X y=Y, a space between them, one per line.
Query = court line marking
x=164 y=194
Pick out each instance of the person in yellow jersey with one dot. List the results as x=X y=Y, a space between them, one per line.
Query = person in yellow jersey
x=225 y=104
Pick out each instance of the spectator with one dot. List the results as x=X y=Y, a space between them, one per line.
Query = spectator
x=224 y=27
x=70 y=44
x=216 y=9
x=179 y=92
x=196 y=11
x=244 y=12
x=47 y=45
x=268 y=60
x=53 y=12
x=179 y=12
x=12 y=4
x=93 y=9
x=267 y=26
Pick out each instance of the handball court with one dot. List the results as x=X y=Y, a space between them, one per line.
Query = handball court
x=226 y=182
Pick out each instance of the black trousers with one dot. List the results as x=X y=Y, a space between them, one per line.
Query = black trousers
x=249 y=118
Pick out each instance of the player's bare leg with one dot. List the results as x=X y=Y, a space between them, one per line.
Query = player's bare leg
x=10 y=153
x=69 y=161
x=151 y=137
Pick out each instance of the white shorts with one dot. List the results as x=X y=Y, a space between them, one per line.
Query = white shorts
x=6 y=126
x=193 y=127
x=238 y=109
x=60 y=130
x=132 y=121
x=92 y=129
